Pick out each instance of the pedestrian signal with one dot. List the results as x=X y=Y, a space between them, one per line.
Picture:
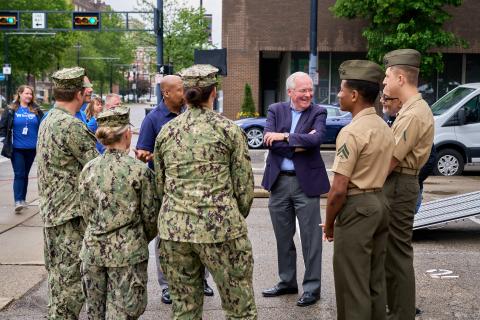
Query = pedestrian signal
x=8 y=20
x=86 y=20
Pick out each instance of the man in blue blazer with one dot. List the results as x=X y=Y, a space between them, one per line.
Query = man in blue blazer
x=296 y=177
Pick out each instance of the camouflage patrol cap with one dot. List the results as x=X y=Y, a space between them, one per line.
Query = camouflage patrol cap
x=199 y=75
x=361 y=70
x=70 y=79
x=408 y=57
x=118 y=117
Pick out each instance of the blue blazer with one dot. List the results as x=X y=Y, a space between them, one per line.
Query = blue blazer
x=309 y=167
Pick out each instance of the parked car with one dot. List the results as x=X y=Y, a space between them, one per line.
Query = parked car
x=336 y=120
x=457 y=129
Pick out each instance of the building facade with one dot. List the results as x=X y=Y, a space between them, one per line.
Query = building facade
x=268 y=40
x=89 y=5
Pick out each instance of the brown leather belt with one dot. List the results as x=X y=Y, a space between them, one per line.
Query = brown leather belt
x=354 y=191
x=412 y=172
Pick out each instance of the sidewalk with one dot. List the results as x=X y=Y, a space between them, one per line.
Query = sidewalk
x=21 y=240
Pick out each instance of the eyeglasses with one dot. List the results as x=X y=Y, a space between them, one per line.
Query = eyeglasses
x=309 y=90
x=387 y=98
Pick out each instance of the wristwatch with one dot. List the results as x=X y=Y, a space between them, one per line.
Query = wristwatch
x=285 y=136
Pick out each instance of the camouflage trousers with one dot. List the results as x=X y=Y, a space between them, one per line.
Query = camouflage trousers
x=115 y=293
x=231 y=266
x=62 y=246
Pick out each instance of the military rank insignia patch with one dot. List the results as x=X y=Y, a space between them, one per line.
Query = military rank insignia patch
x=343 y=152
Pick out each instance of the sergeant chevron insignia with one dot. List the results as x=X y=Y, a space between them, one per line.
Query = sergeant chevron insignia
x=343 y=151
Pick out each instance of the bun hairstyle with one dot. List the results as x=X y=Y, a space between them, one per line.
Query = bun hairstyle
x=110 y=135
x=196 y=96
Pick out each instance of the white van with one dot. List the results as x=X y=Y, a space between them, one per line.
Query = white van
x=457 y=129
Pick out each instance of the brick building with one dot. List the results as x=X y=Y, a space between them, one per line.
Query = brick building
x=268 y=40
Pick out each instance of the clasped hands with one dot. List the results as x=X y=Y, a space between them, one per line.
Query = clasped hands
x=270 y=137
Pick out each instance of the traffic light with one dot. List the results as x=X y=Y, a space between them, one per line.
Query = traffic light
x=8 y=20
x=86 y=20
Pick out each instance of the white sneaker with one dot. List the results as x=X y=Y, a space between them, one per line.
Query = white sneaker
x=19 y=206
x=24 y=204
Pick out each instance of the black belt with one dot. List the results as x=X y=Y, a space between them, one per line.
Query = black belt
x=288 y=173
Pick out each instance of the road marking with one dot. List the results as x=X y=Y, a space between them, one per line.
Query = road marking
x=441 y=274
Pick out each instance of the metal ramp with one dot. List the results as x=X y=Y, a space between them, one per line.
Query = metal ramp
x=443 y=211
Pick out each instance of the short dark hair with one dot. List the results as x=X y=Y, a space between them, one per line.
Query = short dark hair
x=66 y=95
x=196 y=95
x=368 y=90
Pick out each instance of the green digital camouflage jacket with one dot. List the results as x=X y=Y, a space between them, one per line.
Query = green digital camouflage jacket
x=204 y=178
x=120 y=206
x=64 y=146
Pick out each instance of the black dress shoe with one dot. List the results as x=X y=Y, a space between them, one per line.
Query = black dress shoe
x=166 y=296
x=277 y=291
x=418 y=312
x=307 y=299
x=207 y=290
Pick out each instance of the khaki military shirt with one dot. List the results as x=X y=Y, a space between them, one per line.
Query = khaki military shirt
x=64 y=146
x=364 y=149
x=120 y=206
x=204 y=178
x=413 y=130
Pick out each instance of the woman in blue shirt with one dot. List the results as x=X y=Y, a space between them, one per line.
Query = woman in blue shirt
x=19 y=125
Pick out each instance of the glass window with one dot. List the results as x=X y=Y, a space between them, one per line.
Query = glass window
x=450 y=99
x=451 y=77
x=473 y=68
x=472 y=111
x=337 y=59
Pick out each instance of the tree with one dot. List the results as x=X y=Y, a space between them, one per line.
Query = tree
x=95 y=50
x=247 y=109
x=184 y=30
x=416 y=24
x=32 y=54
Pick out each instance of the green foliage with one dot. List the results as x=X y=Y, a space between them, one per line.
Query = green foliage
x=33 y=54
x=184 y=30
x=248 y=106
x=101 y=45
x=41 y=55
x=394 y=24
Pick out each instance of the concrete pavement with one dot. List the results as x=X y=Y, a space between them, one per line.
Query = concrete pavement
x=23 y=291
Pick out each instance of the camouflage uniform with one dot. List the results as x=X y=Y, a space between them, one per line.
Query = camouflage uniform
x=64 y=146
x=204 y=178
x=120 y=210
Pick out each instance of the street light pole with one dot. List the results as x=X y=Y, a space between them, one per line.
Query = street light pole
x=7 y=76
x=159 y=32
x=312 y=64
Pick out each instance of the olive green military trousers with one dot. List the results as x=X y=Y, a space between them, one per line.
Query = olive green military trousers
x=62 y=246
x=360 y=239
x=115 y=293
x=401 y=191
x=231 y=265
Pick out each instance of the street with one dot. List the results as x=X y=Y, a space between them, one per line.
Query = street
x=446 y=258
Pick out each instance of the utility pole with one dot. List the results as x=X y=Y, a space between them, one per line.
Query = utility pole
x=312 y=64
x=159 y=32
x=7 y=76
x=78 y=46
